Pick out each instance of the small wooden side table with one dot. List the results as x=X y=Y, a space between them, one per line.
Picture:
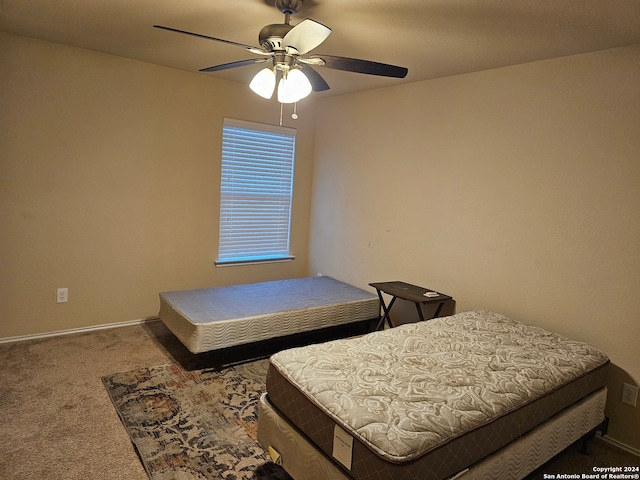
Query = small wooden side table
x=412 y=293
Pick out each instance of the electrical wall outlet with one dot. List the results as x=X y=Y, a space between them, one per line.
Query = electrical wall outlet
x=62 y=295
x=629 y=394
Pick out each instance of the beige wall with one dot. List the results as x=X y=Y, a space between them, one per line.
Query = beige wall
x=516 y=190
x=109 y=174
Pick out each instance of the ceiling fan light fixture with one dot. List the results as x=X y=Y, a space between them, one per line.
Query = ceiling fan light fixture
x=286 y=46
x=293 y=87
x=264 y=83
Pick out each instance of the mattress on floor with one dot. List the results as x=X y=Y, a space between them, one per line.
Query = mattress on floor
x=428 y=399
x=215 y=318
x=303 y=461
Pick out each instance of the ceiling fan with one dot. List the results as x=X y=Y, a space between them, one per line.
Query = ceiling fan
x=285 y=48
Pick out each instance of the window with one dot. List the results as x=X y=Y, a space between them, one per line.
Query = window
x=256 y=189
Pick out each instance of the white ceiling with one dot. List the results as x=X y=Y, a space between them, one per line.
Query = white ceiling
x=432 y=38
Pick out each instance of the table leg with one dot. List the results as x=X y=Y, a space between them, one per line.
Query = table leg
x=386 y=310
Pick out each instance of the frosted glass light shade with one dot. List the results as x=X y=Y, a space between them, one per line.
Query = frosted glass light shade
x=264 y=83
x=294 y=87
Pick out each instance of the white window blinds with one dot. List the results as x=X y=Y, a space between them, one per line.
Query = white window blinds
x=255 y=192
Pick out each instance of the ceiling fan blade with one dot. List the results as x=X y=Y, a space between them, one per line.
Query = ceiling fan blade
x=306 y=36
x=247 y=47
x=362 y=66
x=240 y=63
x=318 y=84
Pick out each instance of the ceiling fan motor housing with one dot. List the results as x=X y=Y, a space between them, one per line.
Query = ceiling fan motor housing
x=270 y=37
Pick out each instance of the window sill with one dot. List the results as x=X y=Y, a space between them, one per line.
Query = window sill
x=233 y=263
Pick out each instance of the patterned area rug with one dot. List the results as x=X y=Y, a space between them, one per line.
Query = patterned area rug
x=198 y=424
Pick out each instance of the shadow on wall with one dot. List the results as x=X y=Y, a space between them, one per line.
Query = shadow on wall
x=624 y=420
x=404 y=311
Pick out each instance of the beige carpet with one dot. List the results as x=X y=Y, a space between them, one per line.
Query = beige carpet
x=58 y=421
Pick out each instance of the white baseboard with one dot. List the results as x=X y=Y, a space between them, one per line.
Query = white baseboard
x=71 y=331
x=619 y=445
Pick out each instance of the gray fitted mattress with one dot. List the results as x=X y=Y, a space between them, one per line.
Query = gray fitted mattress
x=215 y=318
x=428 y=399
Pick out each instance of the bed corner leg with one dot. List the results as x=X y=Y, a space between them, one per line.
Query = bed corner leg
x=584 y=442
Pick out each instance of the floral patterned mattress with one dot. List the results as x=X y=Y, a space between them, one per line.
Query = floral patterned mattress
x=433 y=397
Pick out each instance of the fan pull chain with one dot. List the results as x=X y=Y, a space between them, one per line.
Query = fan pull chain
x=294 y=115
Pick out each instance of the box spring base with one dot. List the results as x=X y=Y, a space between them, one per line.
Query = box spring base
x=304 y=461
